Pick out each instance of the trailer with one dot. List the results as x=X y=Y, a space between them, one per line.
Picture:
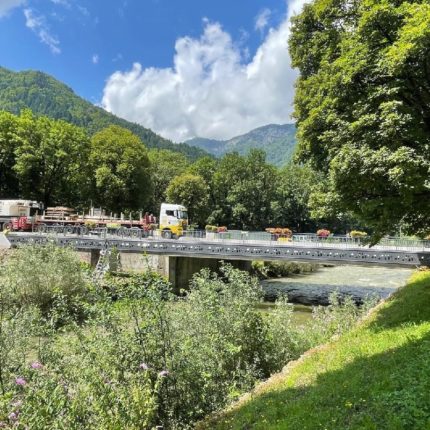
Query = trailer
x=19 y=215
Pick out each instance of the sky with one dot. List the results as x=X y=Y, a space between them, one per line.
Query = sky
x=188 y=68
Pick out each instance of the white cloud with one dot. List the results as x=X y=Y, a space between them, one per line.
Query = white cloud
x=37 y=24
x=211 y=90
x=64 y=3
x=262 y=20
x=95 y=59
x=7 y=5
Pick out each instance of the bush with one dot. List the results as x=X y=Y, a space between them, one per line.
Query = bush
x=47 y=277
x=151 y=359
x=356 y=233
x=323 y=232
x=90 y=224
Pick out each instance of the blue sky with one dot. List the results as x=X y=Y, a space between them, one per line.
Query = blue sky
x=125 y=54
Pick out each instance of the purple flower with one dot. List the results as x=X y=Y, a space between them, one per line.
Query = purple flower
x=20 y=381
x=163 y=373
x=13 y=416
x=36 y=365
x=143 y=366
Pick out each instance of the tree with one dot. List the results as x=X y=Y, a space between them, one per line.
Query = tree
x=291 y=205
x=206 y=168
x=121 y=169
x=192 y=192
x=9 y=184
x=244 y=189
x=165 y=165
x=363 y=107
x=51 y=159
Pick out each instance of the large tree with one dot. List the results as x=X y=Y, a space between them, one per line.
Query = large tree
x=363 y=108
x=192 y=192
x=121 y=170
x=165 y=165
x=9 y=183
x=51 y=159
x=244 y=190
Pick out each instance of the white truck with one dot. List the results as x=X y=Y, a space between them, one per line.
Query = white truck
x=173 y=220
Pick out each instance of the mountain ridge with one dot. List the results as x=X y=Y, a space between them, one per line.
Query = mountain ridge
x=45 y=95
x=277 y=140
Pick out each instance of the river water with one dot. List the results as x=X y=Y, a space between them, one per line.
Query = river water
x=357 y=281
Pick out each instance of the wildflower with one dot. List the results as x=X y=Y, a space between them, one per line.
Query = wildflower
x=163 y=373
x=20 y=381
x=2 y=425
x=13 y=416
x=36 y=365
x=143 y=366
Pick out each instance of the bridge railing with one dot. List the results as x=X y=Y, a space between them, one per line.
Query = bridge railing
x=302 y=239
x=310 y=239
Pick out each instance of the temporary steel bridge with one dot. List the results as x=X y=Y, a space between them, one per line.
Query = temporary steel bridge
x=336 y=250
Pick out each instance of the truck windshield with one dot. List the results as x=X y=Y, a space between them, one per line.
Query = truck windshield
x=183 y=215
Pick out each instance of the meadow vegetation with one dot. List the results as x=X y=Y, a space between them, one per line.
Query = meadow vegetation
x=127 y=353
x=375 y=376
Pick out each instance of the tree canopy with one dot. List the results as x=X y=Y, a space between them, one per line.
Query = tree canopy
x=363 y=108
x=120 y=164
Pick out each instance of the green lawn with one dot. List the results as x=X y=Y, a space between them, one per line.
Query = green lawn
x=375 y=377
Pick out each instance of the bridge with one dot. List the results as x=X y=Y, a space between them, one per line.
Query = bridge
x=338 y=250
x=180 y=259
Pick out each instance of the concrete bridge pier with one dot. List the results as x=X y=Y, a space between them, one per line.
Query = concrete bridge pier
x=182 y=269
x=90 y=256
x=178 y=270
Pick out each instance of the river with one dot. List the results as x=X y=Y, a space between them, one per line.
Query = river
x=357 y=281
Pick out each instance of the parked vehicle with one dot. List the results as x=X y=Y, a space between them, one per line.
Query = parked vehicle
x=173 y=220
x=28 y=215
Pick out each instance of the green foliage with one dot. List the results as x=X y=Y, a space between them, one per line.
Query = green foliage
x=49 y=158
x=291 y=203
x=137 y=362
x=48 y=278
x=278 y=141
x=279 y=269
x=165 y=165
x=362 y=105
x=121 y=169
x=372 y=377
x=192 y=192
x=244 y=188
x=45 y=95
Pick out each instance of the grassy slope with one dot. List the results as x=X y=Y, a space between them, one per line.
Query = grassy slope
x=375 y=377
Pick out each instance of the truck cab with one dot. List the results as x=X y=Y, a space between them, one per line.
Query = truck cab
x=173 y=220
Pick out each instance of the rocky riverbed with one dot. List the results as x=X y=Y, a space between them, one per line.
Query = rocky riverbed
x=356 y=281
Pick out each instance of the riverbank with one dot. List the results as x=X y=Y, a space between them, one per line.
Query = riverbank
x=377 y=376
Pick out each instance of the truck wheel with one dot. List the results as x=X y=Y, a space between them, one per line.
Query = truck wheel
x=166 y=234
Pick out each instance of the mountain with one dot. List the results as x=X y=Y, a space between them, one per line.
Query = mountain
x=44 y=95
x=278 y=141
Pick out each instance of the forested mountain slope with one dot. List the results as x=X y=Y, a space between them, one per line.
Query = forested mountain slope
x=45 y=95
x=278 y=141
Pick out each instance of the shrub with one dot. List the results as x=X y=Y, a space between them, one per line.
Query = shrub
x=46 y=277
x=113 y=225
x=323 y=232
x=90 y=224
x=356 y=233
x=221 y=229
